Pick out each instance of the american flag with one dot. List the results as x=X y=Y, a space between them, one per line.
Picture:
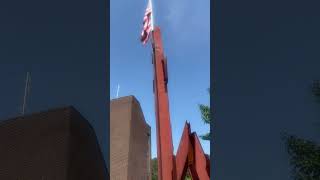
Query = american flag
x=147 y=24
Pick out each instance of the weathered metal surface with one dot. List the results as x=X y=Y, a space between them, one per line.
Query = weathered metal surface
x=182 y=153
x=164 y=137
x=190 y=154
x=200 y=160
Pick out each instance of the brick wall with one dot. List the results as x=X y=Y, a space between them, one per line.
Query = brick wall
x=130 y=154
x=57 y=144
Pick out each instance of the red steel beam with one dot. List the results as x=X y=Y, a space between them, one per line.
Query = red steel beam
x=166 y=170
x=190 y=154
x=200 y=163
x=183 y=152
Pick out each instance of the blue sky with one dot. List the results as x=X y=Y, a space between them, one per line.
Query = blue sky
x=186 y=36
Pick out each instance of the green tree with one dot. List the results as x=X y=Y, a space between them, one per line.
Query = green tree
x=188 y=176
x=316 y=88
x=154 y=170
x=304 y=158
x=304 y=154
x=206 y=118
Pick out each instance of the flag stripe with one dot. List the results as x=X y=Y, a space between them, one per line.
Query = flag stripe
x=147 y=28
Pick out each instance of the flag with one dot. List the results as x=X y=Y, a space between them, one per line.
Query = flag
x=147 y=24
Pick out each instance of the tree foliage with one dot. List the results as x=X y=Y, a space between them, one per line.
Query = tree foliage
x=154 y=170
x=206 y=118
x=304 y=154
x=188 y=176
x=304 y=158
x=316 y=88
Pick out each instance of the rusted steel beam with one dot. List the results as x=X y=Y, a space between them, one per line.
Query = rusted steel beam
x=200 y=161
x=166 y=170
x=190 y=154
x=182 y=152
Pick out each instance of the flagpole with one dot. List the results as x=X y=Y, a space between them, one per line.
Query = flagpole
x=152 y=25
x=152 y=20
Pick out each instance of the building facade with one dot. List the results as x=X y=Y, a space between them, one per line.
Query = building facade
x=130 y=141
x=58 y=144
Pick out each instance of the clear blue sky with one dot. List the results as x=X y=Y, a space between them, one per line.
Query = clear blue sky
x=186 y=36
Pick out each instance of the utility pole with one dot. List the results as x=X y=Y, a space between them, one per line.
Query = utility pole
x=26 y=89
x=118 y=91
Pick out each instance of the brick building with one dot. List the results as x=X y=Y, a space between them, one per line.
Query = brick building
x=58 y=144
x=130 y=141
